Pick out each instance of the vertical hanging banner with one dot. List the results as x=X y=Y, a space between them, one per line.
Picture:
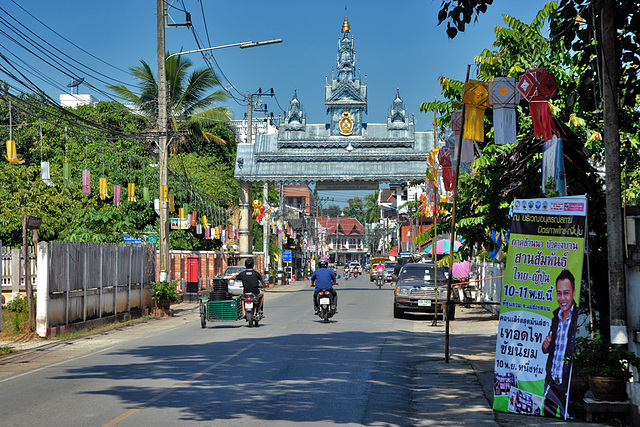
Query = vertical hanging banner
x=539 y=307
x=86 y=181
x=504 y=97
x=116 y=195
x=553 y=165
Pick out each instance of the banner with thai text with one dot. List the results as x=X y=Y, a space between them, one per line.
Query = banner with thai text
x=539 y=306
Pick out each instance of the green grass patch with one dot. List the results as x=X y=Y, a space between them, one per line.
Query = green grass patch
x=103 y=328
x=6 y=350
x=13 y=323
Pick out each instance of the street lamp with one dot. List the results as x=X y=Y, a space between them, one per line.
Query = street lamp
x=163 y=234
x=243 y=45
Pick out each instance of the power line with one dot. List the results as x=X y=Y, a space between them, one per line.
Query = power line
x=69 y=41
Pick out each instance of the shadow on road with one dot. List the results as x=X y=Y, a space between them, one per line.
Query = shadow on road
x=339 y=377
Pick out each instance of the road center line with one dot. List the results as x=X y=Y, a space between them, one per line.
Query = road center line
x=175 y=387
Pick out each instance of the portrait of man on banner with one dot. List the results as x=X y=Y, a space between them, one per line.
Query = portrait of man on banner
x=560 y=344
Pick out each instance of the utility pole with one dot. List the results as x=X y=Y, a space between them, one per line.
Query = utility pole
x=245 y=244
x=163 y=195
x=281 y=231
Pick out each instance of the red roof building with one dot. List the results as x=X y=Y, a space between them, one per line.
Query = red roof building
x=342 y=238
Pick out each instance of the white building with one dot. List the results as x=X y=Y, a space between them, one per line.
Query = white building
x=74 y=100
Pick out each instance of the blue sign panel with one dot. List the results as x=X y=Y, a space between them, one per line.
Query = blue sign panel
x=286 y=256
x=130 y=239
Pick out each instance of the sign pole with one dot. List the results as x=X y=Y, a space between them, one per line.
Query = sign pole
x=453 y=231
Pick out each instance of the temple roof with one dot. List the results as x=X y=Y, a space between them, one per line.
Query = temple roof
x=345 y=149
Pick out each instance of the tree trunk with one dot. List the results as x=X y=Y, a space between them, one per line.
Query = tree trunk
x=617 y=300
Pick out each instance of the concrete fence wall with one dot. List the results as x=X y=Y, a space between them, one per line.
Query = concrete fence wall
x=81 y=282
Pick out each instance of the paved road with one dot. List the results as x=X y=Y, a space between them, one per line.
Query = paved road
x=363 y=368
x=292 y=369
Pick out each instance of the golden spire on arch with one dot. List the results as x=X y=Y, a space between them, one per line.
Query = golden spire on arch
x=345 y=24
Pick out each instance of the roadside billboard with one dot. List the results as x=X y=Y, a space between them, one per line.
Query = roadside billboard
x=539 y=306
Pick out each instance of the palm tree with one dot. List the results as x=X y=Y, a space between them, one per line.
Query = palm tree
x=190 y=109
x=372 y=210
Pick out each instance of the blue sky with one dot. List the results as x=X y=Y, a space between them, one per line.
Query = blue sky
x=397 y=44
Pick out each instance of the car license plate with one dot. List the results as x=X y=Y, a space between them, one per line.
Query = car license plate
x=248 y=305
x=324 y=301
x=424 y=303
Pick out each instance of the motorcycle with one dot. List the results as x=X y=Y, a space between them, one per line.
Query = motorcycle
x=325 y=304
x=251 y=313
x=379 y=279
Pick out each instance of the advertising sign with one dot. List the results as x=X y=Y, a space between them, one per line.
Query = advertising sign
x=539 y=306
x=179 y=224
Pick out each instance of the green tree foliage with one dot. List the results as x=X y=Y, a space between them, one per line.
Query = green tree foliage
x=355 y=209
x=572 y=57
x=22 y=190
x=577 y=27
x=372 y=209
x=331 y=211
x=459 y=13
x=113 y=145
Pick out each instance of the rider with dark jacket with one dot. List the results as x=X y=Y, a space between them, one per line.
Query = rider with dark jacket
x=324 y=278
x=251 y=281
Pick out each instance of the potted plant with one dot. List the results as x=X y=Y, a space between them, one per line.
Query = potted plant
x=164 y=293
x=607 y=368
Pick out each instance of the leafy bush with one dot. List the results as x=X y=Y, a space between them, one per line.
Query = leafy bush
x=594 y=356
x=18 y=305
x=164 y=291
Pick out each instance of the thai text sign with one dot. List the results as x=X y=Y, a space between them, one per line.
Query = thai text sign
x=538 y=311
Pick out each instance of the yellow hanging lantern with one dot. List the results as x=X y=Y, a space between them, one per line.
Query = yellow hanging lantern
x=131 y=192
x=432 y=155
x=172 y=205
x=256 y=207
x=12 y=154
x=476 y=99
x=181 y=213
x=103 y=188
x=205 y=223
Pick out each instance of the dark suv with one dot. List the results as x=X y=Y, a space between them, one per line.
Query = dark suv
x=416 y=290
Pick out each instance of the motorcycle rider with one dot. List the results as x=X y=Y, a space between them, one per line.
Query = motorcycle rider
x=251 y=280
x=324 y=278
